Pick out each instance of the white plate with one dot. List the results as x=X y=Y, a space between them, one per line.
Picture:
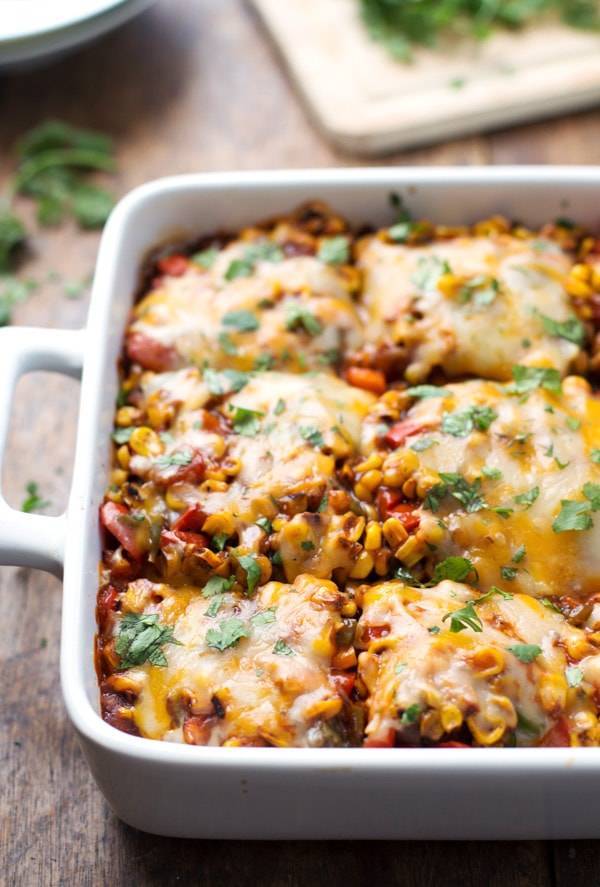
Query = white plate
x=34 y=31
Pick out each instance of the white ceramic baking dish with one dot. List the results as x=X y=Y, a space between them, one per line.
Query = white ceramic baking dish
x=192 y=791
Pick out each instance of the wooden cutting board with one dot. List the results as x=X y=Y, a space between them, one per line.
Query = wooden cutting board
x=367 y=102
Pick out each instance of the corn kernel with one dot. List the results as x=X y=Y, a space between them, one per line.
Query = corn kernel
x=576 y=287
x=581 y=272
x=349 y=608
x=487 y=661
x=363 y=566
x=553 y=692
x=361 y=491
x=430 y=726
x=214 y=486
x=448 y=284
x=118 y=476
x=451 y=717
x=175 y=502
x=123 y=456
x=219 y=523
x=372 y=479
x=145 y=442
x=126 y=416
x=411 y=552
x=374 y=461
x=394 y=532
x=373 y=536
x=382 y=561
x=344 y=659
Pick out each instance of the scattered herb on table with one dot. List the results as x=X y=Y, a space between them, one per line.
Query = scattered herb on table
x=33 y=501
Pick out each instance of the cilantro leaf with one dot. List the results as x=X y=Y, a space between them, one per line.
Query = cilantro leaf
x=573 y=516
x=455 y=568
x=217 y=585
x=225 y=381
x=425 y=391
x=334 y=250
x=246 y=422
x=528 y=498
x=298 y=317
x=181 y=457
x=411 y=714
x=462 y=423
x=429 y=270
x=527 y=379
x=251 y=567
x=141 y=639
x=242 y=321
x=264 y=617
x=228 y=633
x=574 y=675
x=595 y=455
x=525 y=652
x=519 y=554
x=12 y=235
x=279 y=407
x=282 y=649
x=33 y=501
x=464 y=618
x=205 y=258
x=227 y=344
x=592 y=493
x=572 y=329
x=311 y=435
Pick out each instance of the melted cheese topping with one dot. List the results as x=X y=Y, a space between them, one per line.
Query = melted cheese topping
x=482 y=331
x=195 y=313
x=538 y=446
x=272 y=687
x=304 y=422
x=434 y=684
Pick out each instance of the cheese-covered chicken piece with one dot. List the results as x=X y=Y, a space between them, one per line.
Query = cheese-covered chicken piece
x=505 y=475
x=447 y=665
x=255 y=306
x=470 y=304
x=225 y=669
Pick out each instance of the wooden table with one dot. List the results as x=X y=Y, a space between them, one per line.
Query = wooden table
x=192 y=85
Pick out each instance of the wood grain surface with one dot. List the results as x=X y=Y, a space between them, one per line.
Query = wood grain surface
x=191 y=85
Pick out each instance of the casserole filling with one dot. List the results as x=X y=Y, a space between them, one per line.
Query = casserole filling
x=355 y=488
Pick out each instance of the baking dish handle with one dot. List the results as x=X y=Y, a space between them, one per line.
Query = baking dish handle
x=33 y=540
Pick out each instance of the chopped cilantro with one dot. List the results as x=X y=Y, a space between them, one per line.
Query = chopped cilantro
x=411 y=714
x=508 y=573
x=282 y=649
x=181 y=457
x=307 y=545
x=572 y=329
x=574 y=675
x=527 y=379
x=425 y=391
x=265 y=524
x=573 y=516
x=519 y=554
x=528 y=498
x=455 y=568
x=228 y=633
x=491 y=473
x=227 y=344
x=429 y=270
x=242 y=321
x=251 y=567
x=311 y=435
x=33 y=501
x=573 y=423
x=423 y=443
x=264 y=617
x=592 y=493
x=217 y=585
x=298 y=317
x=334 y=250
x=141 y=639
x=464 y=618
x=279 y=407
x=205 y=258
x=246 y=422
x=122 y=435
x=219 y=541
x=595 y=455
x=225 y=381
x=462 y=423
x=525 y=652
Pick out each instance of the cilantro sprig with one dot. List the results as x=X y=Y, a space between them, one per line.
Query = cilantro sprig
x=141 y=638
